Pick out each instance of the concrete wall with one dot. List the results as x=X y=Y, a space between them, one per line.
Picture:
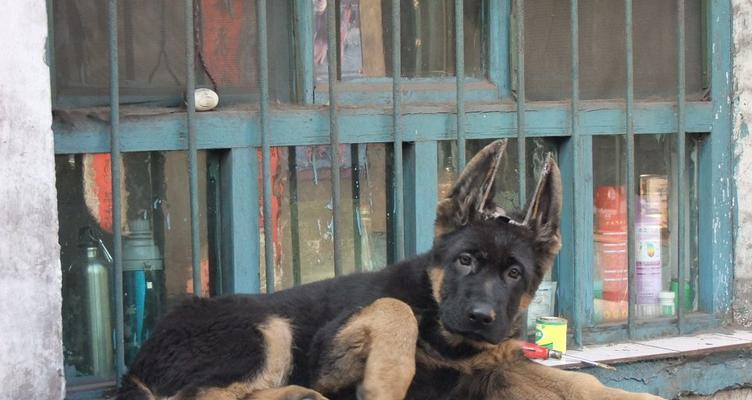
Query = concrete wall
x=30 y=293
x=742 y=33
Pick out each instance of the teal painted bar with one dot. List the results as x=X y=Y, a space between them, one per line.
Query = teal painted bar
x=421 y=195
x=459 y=72
x=398 y=215
x=334 y=141
x=190 y=88
x=117 y=222
x=263 y=81
x=629 y=122
x=295 y=126
x=680 y=184
x=303 y=40
x=498 y=46
x=582 y=231
x=240 y=221
x=717 y=193
x=521 y=141
x=521 y=153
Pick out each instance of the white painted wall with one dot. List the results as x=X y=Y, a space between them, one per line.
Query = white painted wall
x=31 y=356
x=742 y=33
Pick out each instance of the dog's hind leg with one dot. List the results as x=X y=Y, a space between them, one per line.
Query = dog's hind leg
x=374 y=348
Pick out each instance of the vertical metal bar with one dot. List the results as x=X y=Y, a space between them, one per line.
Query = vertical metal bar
x=357 y=221
x=333 y=56
x=459 y=71
x=399 y=204
x=683 y=247
x=574 y=103
x=631 y=214
x=521 y=151
x=263 y=77
x=521 y=161
x=117 y=223
x=190 y=88
x=292 y=167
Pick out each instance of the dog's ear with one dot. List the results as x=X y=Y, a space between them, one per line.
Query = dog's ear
x=471 y=197
x=543 y=214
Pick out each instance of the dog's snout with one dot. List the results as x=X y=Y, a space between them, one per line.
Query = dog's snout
x=481 y=313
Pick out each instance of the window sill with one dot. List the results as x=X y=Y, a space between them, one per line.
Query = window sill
x=670 y=347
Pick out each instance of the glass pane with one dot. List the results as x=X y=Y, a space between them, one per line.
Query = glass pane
x=656 y=202
x=156 y=252
x=601 y=45
x=302 y=214
x=427 y=40
x=152 y=50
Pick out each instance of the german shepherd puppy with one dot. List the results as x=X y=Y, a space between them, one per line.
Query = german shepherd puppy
x=438 y=326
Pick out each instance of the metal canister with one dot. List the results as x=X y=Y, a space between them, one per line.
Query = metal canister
x=551 y=332
x=96 y=278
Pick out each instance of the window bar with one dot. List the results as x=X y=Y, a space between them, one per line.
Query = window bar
x=117 y=223
x=356 y=218
x=521 y=152
x=190 y=88
x=680 y=148
x=292 y=165
x=631 y=243
x=263 y=76
x=334 y=132
x=521 y=101
x=399 y=206
x=575 y=78
x=459 y=71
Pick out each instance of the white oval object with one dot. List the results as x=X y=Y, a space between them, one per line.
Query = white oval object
x=206 y=99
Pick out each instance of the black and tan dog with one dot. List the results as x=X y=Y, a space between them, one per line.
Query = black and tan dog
x=437 y=326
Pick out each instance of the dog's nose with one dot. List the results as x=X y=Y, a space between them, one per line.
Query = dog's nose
x=481 y=313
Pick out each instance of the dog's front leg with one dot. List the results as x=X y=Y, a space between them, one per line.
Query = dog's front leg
x=373 y=349
x=531 y=381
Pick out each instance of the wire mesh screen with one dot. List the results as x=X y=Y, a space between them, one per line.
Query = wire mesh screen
x=601 y=49
x=151 y=48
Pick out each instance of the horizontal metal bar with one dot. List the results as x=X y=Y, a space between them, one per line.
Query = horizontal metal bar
x=295 y=126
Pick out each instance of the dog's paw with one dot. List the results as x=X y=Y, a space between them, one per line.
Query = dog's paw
x=295 y=392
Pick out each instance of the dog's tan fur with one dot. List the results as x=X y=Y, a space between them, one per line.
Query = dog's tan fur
x=376 y=345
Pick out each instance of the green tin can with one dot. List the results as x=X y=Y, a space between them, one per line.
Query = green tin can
x=551 y=332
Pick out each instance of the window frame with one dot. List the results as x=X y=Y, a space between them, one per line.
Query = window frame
x=235 y=136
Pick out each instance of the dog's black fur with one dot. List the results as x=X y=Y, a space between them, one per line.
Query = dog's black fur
x=466 y=294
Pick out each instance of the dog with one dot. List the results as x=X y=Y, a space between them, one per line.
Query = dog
x=438 y=326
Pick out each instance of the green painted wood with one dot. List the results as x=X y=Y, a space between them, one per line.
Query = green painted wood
x=308 y=126
x=717 y=193
x=421 y=195
x=565 y=273
x=647 y=329
x=303 y=40
x=499 y=12
x=240 y=221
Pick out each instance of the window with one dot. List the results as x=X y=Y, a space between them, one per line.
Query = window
x=193 y=215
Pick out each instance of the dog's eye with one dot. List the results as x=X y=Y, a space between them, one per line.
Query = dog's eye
x=514 y=273
x=465 y=259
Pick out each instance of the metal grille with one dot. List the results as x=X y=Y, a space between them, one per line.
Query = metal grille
x=520 y=120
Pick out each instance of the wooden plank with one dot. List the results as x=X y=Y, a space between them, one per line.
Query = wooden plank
x=372 y=38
